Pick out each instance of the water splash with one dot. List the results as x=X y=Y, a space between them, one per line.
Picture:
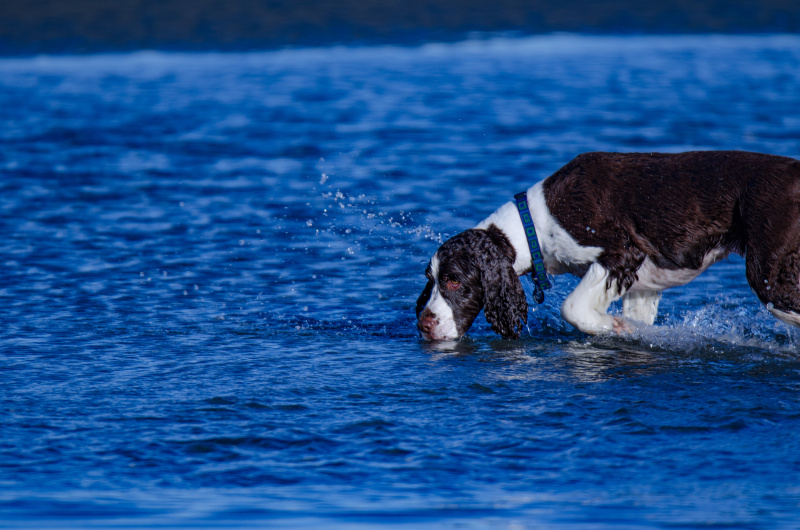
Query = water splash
x=724 y=325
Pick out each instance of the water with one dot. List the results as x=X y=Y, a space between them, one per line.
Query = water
x=210 y=263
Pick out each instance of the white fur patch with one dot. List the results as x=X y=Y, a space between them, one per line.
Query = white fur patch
x=586 y=307
x=641 y=305
x=788 y=317
x=654 y=278
x=445 y=327
x=560 y=250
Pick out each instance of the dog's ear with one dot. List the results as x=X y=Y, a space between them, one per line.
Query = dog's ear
x=424 y=297
x=506 y=308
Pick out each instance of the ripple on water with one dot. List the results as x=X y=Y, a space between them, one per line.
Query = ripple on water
x=210 y=264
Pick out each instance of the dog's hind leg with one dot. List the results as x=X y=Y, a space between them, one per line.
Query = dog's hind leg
x=586 y=307
x=789 y=317
x=641 y=305
x=776 y=282
x=769 y=215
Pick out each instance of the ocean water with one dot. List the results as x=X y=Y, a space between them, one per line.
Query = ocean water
x=209 y=269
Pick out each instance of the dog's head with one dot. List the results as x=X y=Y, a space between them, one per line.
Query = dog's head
x=472 y=271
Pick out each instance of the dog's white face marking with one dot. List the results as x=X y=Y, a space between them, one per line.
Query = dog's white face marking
x=445 y=323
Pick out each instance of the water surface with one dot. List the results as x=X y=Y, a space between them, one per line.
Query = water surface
x=210 y=263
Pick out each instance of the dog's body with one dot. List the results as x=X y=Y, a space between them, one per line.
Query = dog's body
x=630 y=225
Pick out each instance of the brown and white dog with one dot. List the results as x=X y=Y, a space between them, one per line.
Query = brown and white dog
x=630 y=225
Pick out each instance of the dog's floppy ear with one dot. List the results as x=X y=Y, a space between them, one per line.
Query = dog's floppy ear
x=505 y=306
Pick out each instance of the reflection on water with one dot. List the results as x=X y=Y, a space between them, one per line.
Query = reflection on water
x=650 y=350
x=599 y=362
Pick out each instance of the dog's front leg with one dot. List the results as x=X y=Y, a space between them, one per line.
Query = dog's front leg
x=641 y=305
x=586 y=307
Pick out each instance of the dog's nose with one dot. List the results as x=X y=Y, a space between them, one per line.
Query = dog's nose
x=427 y=322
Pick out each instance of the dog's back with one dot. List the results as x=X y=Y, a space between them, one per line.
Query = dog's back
x=674 y=208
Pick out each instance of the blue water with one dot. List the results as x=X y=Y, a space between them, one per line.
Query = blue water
x=210 y=262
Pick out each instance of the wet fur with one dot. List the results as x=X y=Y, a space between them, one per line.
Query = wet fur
x=672 y=214
x=747 y=203
x=482 y=260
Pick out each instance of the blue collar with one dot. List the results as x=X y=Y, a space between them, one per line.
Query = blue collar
x=539 y=274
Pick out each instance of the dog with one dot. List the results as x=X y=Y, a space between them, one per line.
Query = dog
x=629 y=225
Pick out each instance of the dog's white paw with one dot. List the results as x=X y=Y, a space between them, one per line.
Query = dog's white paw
x=622 y=326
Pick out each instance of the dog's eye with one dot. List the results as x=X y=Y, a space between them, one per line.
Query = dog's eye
x=453 y=284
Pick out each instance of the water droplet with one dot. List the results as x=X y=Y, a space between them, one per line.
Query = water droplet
x=309 y=223
x=770 y=305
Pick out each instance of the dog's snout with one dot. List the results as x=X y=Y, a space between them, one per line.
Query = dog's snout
x=426 y=322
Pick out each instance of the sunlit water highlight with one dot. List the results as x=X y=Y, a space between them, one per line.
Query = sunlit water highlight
x=209 y=269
